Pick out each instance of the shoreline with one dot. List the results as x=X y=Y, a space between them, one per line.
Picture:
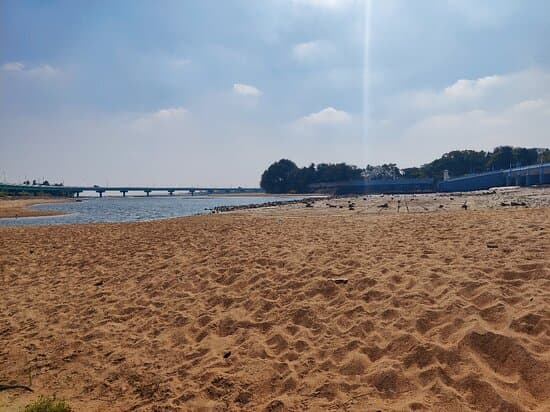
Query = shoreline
x=16 y=207
x=345 y=205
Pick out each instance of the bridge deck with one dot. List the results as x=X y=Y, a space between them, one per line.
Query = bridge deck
x=122 y=189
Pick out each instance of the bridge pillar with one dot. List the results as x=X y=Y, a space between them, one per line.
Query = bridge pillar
x=171 y=192
x=77 y=194
x=147 y=192
x=192 y=192
x=123 y=193
x=100 y=193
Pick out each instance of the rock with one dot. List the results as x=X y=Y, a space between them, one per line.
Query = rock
x=340 y=280
x=226 y=354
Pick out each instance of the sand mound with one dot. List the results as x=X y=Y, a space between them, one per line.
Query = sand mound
x=282 y=313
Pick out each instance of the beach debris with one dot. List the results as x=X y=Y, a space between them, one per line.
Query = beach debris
x=518 y=203
x=220 y=209
x=329 y=205
x=340 y=281
x=15 y=386
x=465 y=206
x=384 y=206
x=441 y=206
x=309 y=204
x=99 y=283
x=504 y=204
x=226 y=354
x=492 y=245
x=275 y=406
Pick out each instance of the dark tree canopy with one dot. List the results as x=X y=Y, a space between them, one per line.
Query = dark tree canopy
x=285 y=177
x=277 y=177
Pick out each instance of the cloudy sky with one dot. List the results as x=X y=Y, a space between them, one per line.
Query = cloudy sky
x=211 y=92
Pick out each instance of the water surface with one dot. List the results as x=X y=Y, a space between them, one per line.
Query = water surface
x=133 y=209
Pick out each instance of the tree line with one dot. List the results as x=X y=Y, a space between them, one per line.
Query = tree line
x=284 y=176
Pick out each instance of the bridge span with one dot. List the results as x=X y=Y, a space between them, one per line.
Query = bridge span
x=77 y=190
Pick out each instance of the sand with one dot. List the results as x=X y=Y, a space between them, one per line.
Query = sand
x=283 y=309
x=19 y=207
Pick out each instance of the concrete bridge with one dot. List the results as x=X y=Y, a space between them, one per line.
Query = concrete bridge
x=76 y=190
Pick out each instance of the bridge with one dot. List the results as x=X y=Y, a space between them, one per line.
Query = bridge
x=76 y=190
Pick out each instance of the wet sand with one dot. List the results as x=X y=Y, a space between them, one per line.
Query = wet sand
x=19 y=207
x=290 y=308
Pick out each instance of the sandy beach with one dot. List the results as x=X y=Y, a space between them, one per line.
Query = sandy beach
x=331 y=307
x=19 y=207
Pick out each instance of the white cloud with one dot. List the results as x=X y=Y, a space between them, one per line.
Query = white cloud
x=327 y=116
x=326 y=4
x=163 y=119
x=512 y=108
x=308 y=50
x=246 y=89
x=170 y=113
x=529 y=105
x=13 y=67
x=44 y=70
x=473 y=88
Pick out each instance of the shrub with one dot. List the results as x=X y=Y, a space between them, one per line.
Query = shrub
x=46 y=404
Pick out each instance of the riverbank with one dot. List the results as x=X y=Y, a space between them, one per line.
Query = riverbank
x=12 y=207
x=289 y=307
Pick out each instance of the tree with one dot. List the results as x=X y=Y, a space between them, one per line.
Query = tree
x=501 y=158
x=285 y=177
x=277 y=177
x=385 y=171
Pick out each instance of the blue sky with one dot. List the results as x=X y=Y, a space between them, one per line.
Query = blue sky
x=211 y=92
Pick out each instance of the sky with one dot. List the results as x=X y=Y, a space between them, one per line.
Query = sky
x=135 y=92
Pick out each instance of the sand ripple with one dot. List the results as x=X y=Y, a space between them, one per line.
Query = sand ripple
x=446 y=311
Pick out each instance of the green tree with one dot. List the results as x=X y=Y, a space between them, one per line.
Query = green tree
x=277 y=177
x=501 y=158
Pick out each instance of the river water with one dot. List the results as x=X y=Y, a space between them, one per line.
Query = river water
x=133 y=209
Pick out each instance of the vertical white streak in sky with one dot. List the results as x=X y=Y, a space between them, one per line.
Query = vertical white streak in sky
x=366 y=74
